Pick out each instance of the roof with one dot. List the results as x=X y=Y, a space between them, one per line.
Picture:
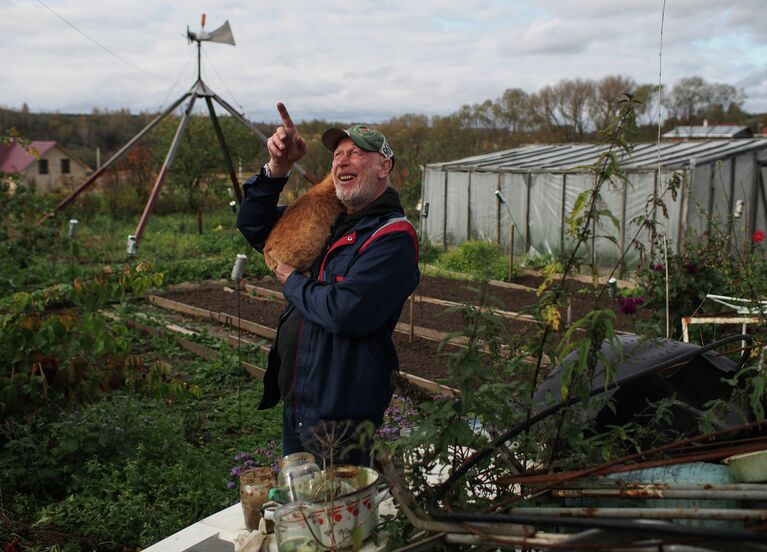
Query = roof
x=15 y=158
x=709 y=131
x=577 y=157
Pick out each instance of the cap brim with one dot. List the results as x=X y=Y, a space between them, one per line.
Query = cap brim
x=332 y=136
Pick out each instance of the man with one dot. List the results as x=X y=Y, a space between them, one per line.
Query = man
x=333 y=357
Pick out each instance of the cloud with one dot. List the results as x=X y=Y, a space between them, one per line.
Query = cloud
x=364 y=60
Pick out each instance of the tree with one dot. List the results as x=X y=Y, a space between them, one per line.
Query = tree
x=692 y=100
x=645 y=107
x=410 y=133
x=199 y=171
x=511 y=110
x=574 y=98
x=608 y=93
x=560 y=112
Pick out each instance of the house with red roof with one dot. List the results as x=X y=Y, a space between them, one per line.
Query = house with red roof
x=42 y=165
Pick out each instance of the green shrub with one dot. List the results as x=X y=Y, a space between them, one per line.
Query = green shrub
x=705 y=267
x=428 y=252
x=129 y=470
x=478 y=258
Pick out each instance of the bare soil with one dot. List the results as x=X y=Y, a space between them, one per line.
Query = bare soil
x=422 y=357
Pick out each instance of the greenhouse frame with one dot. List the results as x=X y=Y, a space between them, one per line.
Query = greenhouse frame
x=529 y=191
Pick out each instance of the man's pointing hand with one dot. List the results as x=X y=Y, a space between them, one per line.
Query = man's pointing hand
x=286 y=145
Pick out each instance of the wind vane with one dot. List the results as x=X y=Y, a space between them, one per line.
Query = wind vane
x=223 y=35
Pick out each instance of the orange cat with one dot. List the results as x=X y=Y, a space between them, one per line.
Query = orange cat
x=304 y=227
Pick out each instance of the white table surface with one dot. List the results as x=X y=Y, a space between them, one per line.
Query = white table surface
x=218 y=532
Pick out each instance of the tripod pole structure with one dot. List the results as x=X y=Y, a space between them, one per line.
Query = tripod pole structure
x=199 y=90
x=112 y=160
x=164 y=170
x=224 y=149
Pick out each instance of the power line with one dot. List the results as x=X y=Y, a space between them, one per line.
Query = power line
x=242 y=110
x=97 y=43
x=178 y=78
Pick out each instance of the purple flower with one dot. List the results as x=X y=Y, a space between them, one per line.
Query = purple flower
x=656 y=267
x=230 y=485
x=628 y=305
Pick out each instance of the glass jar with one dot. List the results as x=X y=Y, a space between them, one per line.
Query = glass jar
x=298 y=473
x=296 y=529
x=255 y=484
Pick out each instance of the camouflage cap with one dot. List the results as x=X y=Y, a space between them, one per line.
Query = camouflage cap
x=365 y=137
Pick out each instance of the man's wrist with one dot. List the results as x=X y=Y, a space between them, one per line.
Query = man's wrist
x=273 y=170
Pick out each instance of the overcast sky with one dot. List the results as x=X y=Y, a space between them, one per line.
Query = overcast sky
x=365 y=60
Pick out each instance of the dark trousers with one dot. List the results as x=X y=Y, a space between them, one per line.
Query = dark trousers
x=292 y=442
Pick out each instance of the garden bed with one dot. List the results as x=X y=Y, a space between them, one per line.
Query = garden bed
x=421 y=354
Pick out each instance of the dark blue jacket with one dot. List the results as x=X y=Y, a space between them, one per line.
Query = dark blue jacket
x=345 y=355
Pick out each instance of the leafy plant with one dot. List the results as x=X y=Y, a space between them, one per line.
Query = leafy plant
x=480 y=259
x=55 y=345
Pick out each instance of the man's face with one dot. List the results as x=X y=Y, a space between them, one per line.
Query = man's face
x=359 y=176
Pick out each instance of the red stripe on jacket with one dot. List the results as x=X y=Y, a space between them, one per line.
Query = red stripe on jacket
x=397 y=226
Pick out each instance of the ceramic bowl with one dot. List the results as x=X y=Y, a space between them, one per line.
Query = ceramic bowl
x=750 y=467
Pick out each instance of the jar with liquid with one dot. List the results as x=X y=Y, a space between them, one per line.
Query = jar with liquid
x=254 y=492
x=298 y=474
x=296 y=529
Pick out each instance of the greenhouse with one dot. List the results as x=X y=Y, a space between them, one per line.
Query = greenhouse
x=527 y=192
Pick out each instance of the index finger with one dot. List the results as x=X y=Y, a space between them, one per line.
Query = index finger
x=287 y=122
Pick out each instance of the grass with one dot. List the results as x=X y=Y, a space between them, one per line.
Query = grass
x=170 y=242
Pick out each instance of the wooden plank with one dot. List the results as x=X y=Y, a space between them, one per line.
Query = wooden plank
x=247 y=325
x=182 y=307
x=190 y=346
x=179 y=329
x=428 y=385
x=510 y=285
x=266 y=292
x=220 y=334
x=511 y=315
x=235 y=341
x=220 y=317
x=434 y=335
x=584 y=278
x=195 y=348
x=254 y=371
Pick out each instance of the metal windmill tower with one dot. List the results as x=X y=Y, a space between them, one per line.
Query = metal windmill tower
x=199 y=89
